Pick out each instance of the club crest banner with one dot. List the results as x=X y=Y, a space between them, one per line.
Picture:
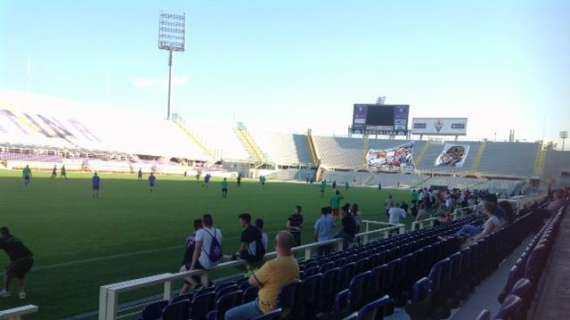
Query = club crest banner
x=452 y=155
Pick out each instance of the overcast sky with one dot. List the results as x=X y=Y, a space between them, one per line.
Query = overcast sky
x=292 y=65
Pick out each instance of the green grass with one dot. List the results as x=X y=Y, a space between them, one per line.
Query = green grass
x=82 y=243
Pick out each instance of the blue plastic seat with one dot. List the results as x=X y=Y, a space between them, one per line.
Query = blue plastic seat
x=287 y=299
x=375 y=309
x=484 y=315
x=249 y=294
x=201 y=305
x=523 y=289
x=346 y=274
x=329 y=287
x=311 y=289
x=225 y=303
x=177 y=311
x=153 y=311
x=358 y=287
x=510 y=309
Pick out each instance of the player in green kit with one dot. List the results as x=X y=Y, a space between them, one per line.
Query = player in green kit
x=27 y=175
x=335 y=203
x=323 y=188
x=225 y=188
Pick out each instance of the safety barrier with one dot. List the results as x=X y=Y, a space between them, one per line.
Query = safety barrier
x=18 y=312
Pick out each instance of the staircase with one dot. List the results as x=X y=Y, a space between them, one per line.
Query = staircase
x=478 y=157
x=422 y=154
x=365 y=148
x=250 y=146
x=313 y=149
x=190 y=135
x=539 y=162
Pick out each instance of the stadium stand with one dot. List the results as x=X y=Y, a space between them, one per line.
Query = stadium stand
x=284 y=149
x=340 y=153
x=509 y=159
x=555 y=163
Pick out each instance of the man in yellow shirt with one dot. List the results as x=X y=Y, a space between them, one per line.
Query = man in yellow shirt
x=270 y=279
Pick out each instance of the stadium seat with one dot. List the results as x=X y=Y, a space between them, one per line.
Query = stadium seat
x=342 y=304
x=287 y=299
x=510 y=309
x=329 y=287
x=523 y=289
x=358 y=288
x=201 y=305
x=154 y=310
x=273 y=315
x=249 y=294
x=375 y=309
x=310 y=288
x=484 y=315
x=225 y=303
x=420 y=305
x=177 y=311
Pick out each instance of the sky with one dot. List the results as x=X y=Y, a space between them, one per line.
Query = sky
x=292 y=65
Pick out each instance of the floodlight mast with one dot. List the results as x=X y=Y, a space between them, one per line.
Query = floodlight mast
x=171 y=37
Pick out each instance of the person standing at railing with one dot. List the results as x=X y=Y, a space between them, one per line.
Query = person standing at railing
x=21 y=262
x=325 y=228
x=396 y=213
x=295 y=224
x=190 y=282
x=348 y=226
x=208 y=250
x=270 y=279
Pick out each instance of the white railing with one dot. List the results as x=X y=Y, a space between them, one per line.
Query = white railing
x=18 y=312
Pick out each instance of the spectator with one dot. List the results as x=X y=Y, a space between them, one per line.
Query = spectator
x=190 y=282
x=395 y=214
x=556 y=203
x=422 y=213
x=295 y=224
x=493 y=221
x=355 y=212
x=251 y=248
x=325 y=227
x=264 y=239
x=21 y=262
x=508 y=210
x=388 y=203
x=270 y=279
x=414 y=197
x=348 y=226
x=208 y=249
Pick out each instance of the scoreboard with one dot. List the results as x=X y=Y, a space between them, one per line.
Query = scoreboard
x=380 y=119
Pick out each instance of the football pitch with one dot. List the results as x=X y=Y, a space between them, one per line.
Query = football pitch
x=80 y=243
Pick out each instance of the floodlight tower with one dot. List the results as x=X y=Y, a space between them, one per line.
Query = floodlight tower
x=171 y=37
x=563 y=136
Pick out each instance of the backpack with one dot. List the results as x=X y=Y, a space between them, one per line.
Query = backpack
x=214 y=253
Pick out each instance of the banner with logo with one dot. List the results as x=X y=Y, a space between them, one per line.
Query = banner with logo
x=452 y=155
x=440 y=126
x=395 y=159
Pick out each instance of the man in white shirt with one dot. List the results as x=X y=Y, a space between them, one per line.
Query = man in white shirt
x=203 y=258
x=396 y=213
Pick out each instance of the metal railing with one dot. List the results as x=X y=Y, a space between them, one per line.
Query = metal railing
x=18 y=312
